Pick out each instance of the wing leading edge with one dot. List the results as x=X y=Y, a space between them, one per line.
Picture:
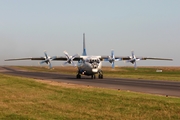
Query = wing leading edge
x=60 y=58
x=104 y=58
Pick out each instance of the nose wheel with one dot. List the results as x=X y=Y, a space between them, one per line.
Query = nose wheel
x=93 y=76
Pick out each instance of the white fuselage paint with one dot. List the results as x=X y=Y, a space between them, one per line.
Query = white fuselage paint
x=89 y=65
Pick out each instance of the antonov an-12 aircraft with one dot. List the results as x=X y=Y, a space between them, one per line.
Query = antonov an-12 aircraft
x=89 y=65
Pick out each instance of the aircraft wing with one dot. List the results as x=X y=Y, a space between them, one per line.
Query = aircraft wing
x=121 y=58
x=146 y=58
x=151 y=58
x=47 y=59
x=30 y=58
x=60 y=58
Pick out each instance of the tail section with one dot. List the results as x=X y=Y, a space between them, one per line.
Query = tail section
x=84 y=47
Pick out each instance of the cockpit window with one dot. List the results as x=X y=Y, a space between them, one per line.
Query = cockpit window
x=93 y=60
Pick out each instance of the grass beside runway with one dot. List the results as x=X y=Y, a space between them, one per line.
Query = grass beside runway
x=23 y=98
x=150 y=73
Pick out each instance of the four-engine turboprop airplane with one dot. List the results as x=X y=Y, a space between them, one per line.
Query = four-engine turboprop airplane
x=88 y=65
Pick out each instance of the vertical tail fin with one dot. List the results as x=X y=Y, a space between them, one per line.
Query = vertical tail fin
x=84 y=47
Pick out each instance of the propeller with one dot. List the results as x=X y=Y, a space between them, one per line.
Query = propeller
x=112 y=59
x=70 y=59
x=133 y=59
x=47 y=60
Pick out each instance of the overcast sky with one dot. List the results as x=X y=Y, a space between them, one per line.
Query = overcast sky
x=149 y=27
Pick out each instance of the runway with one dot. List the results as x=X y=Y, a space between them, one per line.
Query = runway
x=165 y=88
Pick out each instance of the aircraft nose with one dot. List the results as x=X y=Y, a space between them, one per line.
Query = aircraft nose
x=95 y=65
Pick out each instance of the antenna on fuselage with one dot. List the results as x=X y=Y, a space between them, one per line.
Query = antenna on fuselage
x=84 y=47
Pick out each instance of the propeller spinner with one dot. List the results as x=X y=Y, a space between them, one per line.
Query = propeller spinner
x=47 y=60
x=70 y=59
x=112 y=59
x=133 y=59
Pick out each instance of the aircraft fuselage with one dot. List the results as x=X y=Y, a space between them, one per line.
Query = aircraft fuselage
x=89 y=66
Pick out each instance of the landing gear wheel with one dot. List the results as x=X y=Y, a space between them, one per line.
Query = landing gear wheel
x=93 y=77
x=100 y=75
x=78 y=76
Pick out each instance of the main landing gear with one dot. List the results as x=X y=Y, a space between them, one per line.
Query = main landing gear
x=78 y=76
x=100 y=75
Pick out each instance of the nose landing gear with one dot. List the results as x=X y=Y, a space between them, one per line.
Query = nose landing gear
x=93 y=76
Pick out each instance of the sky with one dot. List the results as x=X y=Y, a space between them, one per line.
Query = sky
x=148 y=27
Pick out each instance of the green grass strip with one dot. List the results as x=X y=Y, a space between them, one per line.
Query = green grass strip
x=27 y=99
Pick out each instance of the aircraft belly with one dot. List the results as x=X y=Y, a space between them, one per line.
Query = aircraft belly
x=86 y=69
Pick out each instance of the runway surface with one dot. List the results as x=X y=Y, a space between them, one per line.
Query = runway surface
x=144 y=86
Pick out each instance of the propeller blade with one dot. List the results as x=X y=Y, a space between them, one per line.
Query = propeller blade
x=50 y=66
x=133 y=59
x=45 y=54
x=112 y=59
x=44 y=61
x=74 y=56
x=47 y=60
x=132 y=52
x=73 y=63
x=67 y=55
x=112 y=64
x=112 y=53
x=69 y=58
x=65 y=63
x=135 y=66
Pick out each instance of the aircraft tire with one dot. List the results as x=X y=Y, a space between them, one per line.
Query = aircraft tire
x=78 y=76
x=93 y=77
x=100 y=76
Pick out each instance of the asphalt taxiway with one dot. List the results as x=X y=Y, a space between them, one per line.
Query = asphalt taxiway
x=145 y=86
